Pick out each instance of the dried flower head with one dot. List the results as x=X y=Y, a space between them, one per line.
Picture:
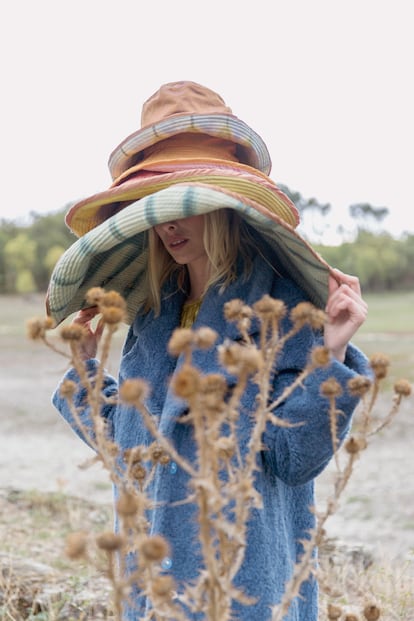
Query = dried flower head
x=113 y=315
x=112 y=298
x=334 y=612
x=372 y=612
x=134 y=454
x=155 y=452
x=359 y=386
x=154 y=548
x=76 y=545
x=331 y=388
x=251 y=359
x=127 y=504
x=181 y=340
x=351 y=616
x=110 y=541
x=320 y=356
x=133 y=391
x=138 y=471
x=163 y=586
x=213 y=388
x=236 y=309
x=36 y=327
x=214 y=383
x=186 y=382
x=94 y=296
x=205 y=337
x=68 y=389
x=379 y=364
x=354 y=445
x=225 y=447
x=164 y=459
x=237 y=358
x=73 y=332
x=111 y=448
x=269 y=308
x=318 y=319
x=402 y=387
x=229 y=354
x=306 y=313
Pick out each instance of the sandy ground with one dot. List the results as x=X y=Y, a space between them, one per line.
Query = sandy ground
x=39 y=451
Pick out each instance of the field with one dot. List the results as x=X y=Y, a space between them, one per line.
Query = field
x=44 y=493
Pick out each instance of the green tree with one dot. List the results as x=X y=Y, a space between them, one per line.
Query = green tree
x=20 y=257
x=366 y=213
x=25 y=282
x=7 y=231
x=378 y=260
x=48 y=231
x=406 y=253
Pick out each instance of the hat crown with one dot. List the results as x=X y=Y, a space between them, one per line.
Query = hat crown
x=181 y=98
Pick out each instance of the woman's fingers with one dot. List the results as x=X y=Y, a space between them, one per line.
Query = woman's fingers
x=339 y=278
x=346 y=311
x=346 y=298
x=89 y=344
x=86 y=315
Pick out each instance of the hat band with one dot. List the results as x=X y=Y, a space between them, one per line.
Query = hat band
x=188 y=146
x=86 y=215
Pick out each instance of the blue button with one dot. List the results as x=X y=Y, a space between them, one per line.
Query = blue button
x=166 y=563
x=173 y=467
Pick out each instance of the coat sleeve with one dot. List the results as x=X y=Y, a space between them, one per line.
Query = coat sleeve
x=109 y=392
x=298 y=454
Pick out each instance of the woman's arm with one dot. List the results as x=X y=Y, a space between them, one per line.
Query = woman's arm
x=298 y=454
x=71 y=396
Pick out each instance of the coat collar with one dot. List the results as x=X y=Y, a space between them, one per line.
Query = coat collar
x=248 y=288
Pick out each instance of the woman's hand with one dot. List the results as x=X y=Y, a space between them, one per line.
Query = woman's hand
x=346 y=312
x=89 y=345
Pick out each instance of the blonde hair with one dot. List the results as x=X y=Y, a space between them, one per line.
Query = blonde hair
x=225 y=233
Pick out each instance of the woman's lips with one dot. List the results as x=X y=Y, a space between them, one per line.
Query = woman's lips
x=177 y=243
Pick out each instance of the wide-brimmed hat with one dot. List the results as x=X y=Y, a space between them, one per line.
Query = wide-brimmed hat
x=113 y=255
x=188 y=107
x=193 y=156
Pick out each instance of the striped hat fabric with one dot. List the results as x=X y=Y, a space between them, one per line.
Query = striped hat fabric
x=113 y=254
x=188 y=107
x=241 y=179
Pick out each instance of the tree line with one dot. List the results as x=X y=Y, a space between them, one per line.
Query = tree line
x=28 y=252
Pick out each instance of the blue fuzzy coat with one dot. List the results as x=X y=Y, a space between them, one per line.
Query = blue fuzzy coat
x=292 y=458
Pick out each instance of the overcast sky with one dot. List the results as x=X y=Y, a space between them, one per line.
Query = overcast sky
x=327 y=84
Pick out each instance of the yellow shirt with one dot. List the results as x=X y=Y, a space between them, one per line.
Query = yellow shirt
x=189 y=313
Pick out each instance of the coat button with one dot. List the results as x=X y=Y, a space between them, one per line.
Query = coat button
x=166 y=563
x=173 y=467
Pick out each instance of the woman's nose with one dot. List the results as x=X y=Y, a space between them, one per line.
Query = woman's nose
x=170 y=226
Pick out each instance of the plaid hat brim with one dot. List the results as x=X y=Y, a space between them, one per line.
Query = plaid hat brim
x=225 y=126
x=113 y=255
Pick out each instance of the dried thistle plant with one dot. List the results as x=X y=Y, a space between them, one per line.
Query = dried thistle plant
x=222 y=479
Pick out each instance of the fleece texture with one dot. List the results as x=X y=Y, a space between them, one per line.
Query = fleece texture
x=291 y=459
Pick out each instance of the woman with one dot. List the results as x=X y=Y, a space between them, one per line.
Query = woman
x=207 y=243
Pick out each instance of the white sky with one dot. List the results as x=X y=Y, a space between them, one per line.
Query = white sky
x=327 y=84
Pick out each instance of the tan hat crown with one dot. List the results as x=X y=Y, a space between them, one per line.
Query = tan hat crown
x=188 y=107
x=181 y=98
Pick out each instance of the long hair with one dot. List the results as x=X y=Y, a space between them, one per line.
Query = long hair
x=225 y=233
